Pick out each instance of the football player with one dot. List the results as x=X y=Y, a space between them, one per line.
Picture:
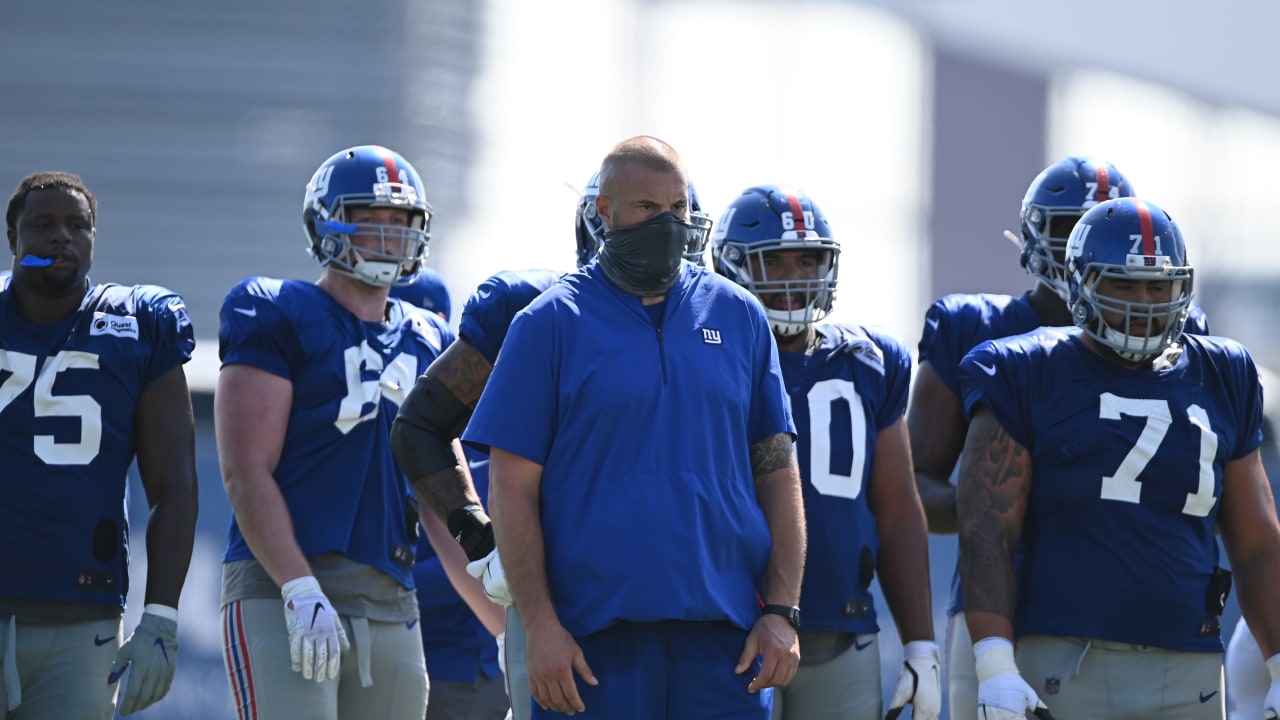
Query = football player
x=957 y=323
x=93 y=379
x=438 y=407
x=312 y=376
x=848 y=389
x=1110 y=454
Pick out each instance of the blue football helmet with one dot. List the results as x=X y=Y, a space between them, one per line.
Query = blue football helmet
x=766 y=218
x=589 y=226
x=375 y=177
x=1056 y=199
x=1129 y=240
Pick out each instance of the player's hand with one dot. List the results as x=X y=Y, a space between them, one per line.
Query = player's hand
x=552 y=656
x=488 y=570
x=920 y=682
x=1002 y=693
x=1271 y=706
x=316 y=637
x=773 y=638
x=152 y=652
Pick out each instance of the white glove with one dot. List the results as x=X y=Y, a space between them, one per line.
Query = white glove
x=1271 y=706
x=1002 y=693
x=488 y=570
x=920 y=682
x=152 y=652
x=316 y=637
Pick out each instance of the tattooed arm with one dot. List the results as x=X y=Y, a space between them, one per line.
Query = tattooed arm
x=444 y=396
x=994 y=484
x=773 y=463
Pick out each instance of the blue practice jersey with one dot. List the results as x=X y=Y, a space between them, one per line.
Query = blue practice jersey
x=68 y=400
x=644 y=433
x=458 y=646
x=336 y=471
x=842 y=395
x=1118 y=542
x=491 y=308
x=958 y=323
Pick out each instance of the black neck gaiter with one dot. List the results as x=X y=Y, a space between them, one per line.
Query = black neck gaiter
x=644 y=259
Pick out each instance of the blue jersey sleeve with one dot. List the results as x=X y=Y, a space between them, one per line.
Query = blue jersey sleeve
x=957 y=323
x=520 y=395
x=173 y=338
x=897 y=375
x=998 y=374
x=770 y=411
x=253 y=329
x=492 y=307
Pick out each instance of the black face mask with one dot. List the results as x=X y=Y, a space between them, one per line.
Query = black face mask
x=644 y=259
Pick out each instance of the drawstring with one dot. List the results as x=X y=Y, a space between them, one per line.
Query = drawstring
x=1080 y=661
x=360 y=638
x=11 y=685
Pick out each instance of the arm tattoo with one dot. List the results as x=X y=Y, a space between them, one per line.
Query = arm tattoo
x=994 y=486
x=463 y=370
x=772 y=453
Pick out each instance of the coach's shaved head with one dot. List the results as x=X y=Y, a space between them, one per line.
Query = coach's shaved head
x=644 y=150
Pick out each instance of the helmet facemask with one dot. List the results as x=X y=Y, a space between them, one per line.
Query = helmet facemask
x=1145 y=330
x=812 y=297
x=1044 y=244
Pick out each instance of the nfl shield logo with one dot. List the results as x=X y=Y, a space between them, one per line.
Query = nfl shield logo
x=1052 y=686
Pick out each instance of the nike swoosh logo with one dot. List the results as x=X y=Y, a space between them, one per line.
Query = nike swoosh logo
x=113 y=678
x=316 y=613
x=247 y=312
x=932 y=323
x=862 y=646
x=1206 y=698
x=101 y=641
x=160 y=644
x=988 y=370
x=411 y=624
x=483 y=293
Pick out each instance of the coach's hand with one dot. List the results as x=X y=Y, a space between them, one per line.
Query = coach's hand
x=316 y=637
x=488 y=570
x=152 y=652
x=920 y=682
x=552 y=656
x=772 y=638
x=1002 y=693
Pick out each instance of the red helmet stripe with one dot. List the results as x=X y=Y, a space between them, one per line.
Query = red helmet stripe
x=1148 y=234
x=797 y=212
x=1104 y=183
x=393 y=172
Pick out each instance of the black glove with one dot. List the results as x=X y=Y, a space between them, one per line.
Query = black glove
x=473 y=529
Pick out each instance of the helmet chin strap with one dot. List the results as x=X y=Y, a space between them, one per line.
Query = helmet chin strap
x=1131 y=348
x=788 y=322
x=378 y=274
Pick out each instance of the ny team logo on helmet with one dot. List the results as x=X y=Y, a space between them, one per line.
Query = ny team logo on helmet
x=767 y=218
x=368 y=176
x=1056 y=199
x=1131 y=240
x=589 y=226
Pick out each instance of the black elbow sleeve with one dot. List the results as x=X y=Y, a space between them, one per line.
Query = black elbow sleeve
x=423 y=432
